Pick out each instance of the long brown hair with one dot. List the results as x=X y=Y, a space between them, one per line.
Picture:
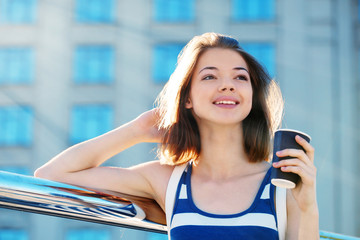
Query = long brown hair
x=181 y=141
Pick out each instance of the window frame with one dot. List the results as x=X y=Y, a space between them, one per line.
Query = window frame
x=171 y=15
x=157 y=75
x=85 y=55
x=26 y=236
x=108 y=18
x=267 y=17
x=24 y=122
x=28 y=18
x=22 y=57
x=86 y=231
x=272 y=69
x=79 y=135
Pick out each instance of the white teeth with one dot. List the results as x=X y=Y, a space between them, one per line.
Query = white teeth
x=226 y=102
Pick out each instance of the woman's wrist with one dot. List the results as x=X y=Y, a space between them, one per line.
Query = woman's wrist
x=145 y=127
x=130 y=132
x=309 y=224
x=311 y=212
x=311 y=209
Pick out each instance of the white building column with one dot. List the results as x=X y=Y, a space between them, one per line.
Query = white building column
x=347 y=165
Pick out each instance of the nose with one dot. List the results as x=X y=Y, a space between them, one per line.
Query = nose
x=227 y=85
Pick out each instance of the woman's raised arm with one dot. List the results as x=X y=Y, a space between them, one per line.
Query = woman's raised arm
x=80 y=163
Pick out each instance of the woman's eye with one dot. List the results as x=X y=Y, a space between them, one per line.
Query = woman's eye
x=242 y=77
x=209 y=77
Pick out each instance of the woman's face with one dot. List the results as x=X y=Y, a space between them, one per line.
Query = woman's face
x=220 y=90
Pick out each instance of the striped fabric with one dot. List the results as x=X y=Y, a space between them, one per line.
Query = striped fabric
x=190 y=223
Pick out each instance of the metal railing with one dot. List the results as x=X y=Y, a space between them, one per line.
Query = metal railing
x=26 y=193
x=336 y=236
x=42 y=196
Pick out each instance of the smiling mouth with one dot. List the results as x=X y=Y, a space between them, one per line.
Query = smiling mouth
x=226 y=103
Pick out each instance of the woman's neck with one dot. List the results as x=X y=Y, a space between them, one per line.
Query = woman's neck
x=222 y=153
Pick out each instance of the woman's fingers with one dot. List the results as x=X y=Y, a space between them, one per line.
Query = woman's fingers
x=293 y=165
x=307 y=156
x=305 y=171
x=289 y=162
x=307 y=175
x=294 y=153
x=307 y=147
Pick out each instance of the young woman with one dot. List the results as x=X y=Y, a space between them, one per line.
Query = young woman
x=216 y=114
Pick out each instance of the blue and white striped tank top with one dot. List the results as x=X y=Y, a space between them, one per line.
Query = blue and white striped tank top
x=190 y=223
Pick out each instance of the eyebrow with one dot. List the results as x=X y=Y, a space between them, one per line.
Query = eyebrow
x=214 y=68
x=241 y=68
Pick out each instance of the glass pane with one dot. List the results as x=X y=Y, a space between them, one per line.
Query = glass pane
x=253 y=10
x=13 y=234
x=16 y=169
x=94 y=11
x=174 y=10
x=264 y=53
x=16 y=65
x=164 y=60
x=88 y=234
x=94 y=65
x=89 y=121
x=270 y=6
x=157 y=236
x=17 y=11
x=16 y=126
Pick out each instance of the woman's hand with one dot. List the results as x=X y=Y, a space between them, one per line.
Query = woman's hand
x=148 y=124
x=302 y=164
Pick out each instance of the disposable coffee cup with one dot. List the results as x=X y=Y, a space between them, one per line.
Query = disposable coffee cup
x=285 y=139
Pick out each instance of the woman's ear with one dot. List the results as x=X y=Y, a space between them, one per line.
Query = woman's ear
x=188 y=104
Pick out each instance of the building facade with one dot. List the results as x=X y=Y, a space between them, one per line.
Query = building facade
x=73 y=69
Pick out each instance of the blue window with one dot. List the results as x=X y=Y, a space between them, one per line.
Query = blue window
x=95 y=11
x=264 y=53
x=16 y=169
x=253 y=10
x=164 y=60
x=16 y=65
x=88 y=234
x=156 y=236
x=16 y=126
x=17 y=11
x=94 y=65
x=174 y=10
x=89 y=121
x=13 y=234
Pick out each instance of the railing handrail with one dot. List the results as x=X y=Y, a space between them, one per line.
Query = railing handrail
x=42 y=196
x=336 y=236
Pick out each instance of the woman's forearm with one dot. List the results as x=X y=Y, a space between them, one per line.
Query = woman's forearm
x=93 y=152
x=309 y=225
